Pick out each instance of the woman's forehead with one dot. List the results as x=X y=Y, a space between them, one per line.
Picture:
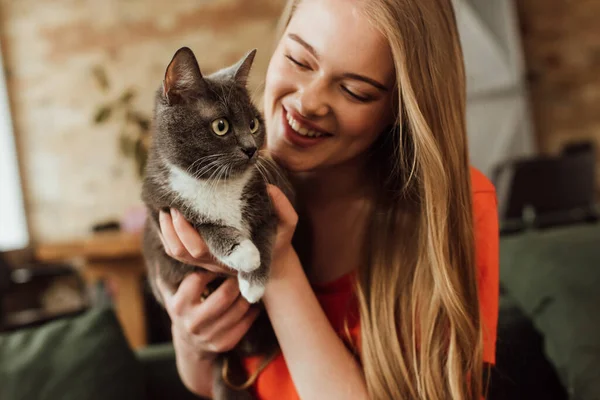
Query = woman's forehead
x=343 y=38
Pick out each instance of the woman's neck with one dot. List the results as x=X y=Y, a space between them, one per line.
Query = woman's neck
x=337 y=184
x=334 y=206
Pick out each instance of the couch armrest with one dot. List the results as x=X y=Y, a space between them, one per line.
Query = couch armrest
x=160 y=373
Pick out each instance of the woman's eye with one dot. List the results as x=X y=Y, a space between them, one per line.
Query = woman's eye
x=254 y=125
x=355 y=96
x=298 y=63
x=220 y=126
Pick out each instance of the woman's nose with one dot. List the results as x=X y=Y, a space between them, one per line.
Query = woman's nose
x=313 y=100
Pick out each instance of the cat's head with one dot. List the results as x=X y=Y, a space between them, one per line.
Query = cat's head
x=207 y=126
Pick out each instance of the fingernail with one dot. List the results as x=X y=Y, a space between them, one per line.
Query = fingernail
x=174 y=214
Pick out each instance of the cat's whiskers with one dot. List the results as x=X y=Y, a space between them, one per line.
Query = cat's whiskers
x=213 y=182
x=206 y=169
x=282 y=178
x=221 y=175
x=206 y=158
x=262 y=175
x=258 y=91
x=274 y=173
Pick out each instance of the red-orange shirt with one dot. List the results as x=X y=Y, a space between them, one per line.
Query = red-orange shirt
x=275 y=382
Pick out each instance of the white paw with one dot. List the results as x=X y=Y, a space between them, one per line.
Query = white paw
x=251 y=292
x=244 y=257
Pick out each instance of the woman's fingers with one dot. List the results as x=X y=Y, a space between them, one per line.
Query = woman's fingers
x=229 y=339
x=173 y=246
x=189 y=237
x=189 y=293
x=215 y=324
x=229 y=318
x=288 y=217
x=215 y=305
x=183 y=243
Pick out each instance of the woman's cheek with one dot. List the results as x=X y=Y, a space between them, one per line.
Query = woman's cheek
x=375 y=119
x=357 y=123
x=278 y=78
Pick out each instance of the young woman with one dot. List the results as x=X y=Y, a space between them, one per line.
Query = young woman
x=400 y=294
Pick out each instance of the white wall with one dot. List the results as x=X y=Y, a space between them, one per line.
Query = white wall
x=498 y=116
x=13 y=226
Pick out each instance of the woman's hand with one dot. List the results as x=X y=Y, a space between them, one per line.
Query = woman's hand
x=208 y=326
x=182 y=242
x=283 y=252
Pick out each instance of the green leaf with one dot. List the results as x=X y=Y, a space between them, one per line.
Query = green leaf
x=126 y=145
x=127 y=96
x=102 y=114
x=140 y=120
x=100 y=74
x=141 y=157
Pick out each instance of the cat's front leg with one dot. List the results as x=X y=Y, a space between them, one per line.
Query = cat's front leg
x=252 y=284
x=231 y=247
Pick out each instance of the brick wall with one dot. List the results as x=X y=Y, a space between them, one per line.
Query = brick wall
x=562 y=49
x=73 y=172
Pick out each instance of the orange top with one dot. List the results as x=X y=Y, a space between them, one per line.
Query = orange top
x=275 y=382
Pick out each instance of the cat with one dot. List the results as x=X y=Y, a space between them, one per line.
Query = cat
x=204 y=160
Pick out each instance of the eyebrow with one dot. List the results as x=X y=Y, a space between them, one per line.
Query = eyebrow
x=348 y=75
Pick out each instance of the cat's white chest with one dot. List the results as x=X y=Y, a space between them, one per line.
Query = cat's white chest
x=219 y=202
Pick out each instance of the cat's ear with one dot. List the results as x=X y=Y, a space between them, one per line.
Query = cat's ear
x=242 y=68
x=183 y=76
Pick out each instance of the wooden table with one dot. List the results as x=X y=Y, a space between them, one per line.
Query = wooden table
x=115 y=256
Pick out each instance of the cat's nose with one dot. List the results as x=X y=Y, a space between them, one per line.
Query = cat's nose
x=249 y=151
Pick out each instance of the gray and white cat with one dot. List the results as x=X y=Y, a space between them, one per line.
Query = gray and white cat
x=204 y=161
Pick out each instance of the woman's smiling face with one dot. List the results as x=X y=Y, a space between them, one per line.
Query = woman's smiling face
x=329 y=87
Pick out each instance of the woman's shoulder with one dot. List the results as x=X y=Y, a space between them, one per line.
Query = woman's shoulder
x=485 y=204
x=480 y=183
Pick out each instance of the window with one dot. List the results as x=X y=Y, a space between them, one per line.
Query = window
x=13 y=226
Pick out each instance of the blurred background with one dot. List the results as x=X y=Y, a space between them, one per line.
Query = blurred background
x=76 y=95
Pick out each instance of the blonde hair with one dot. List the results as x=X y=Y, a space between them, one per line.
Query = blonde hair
x=421 y=335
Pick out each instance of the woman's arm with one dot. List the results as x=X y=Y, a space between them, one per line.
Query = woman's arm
x=319 y=363
x=194 y=370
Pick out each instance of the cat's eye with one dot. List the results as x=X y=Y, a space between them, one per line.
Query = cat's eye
x=254 y=125
x=220 y=126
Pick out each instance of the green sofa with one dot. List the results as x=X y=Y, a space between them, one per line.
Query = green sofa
x=549 y=324
x=553 y=277
x=85 y=357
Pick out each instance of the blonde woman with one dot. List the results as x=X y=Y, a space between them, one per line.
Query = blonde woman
x=365 y=105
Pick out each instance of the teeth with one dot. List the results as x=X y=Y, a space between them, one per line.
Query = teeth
x=302 y=130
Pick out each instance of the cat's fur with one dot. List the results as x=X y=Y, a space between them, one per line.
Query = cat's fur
x=215 y=182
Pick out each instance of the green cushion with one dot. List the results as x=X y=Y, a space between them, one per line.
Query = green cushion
x=86 y=357
x=554 y=275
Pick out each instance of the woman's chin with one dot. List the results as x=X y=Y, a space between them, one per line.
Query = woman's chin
x=294 y=163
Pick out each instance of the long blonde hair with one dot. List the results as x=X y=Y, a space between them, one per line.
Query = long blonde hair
x=421 y=335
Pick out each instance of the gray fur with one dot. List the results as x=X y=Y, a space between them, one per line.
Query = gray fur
x=218 y=183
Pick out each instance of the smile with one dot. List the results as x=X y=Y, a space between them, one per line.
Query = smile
x=298 y=128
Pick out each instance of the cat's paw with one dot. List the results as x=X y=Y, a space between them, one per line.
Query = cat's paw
x=245 y=257
x=252 y=292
